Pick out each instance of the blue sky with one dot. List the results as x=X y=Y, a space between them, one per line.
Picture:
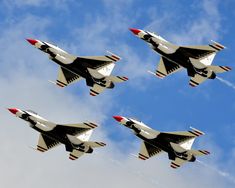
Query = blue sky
x=91 y=28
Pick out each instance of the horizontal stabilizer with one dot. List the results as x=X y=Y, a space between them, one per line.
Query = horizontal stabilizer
x=75 y=154
x=196 y=80
x=177 y=163
x=117 y=78
x=199 y=152
x=96 y=90
x=95 y=144
x=219 y=69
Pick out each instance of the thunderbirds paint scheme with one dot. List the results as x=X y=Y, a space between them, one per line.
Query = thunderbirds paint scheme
x=75 y=137
x=176 y=144
x=96 y=70
x=196 y=60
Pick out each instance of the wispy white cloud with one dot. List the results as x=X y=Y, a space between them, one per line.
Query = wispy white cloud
x=24 y=72
x=57 y=4
x=205 y=27
x=201 y=27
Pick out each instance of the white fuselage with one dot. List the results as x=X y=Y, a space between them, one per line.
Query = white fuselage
x=139 y=128
x=79 y=68
x=35 y=120
x=171 y=53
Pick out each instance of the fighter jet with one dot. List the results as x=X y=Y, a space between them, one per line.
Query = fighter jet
x=176 y=144
x=75 y=137
x=96 y=70
x=196 y=59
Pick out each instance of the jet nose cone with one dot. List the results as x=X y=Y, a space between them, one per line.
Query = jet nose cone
x=32 y=41
x=13 y=110
x=118 y=118
x=135 y=31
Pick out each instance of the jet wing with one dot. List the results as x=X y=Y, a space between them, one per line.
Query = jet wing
x=45 y=143
x=177 y=163
x=75 y=129
x=75 y=154
x=147 y=151
x=180 y=136
x=96 y=90
x=95 y=62
x=166 y=67
x=198 y=52
x=66 y=77
x=196 y=80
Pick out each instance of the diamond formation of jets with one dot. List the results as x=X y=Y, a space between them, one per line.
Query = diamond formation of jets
x=96 y=70
x=176 y=144
x=75 y=137
x=196 y=59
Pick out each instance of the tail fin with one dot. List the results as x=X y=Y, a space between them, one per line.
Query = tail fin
x=219 y=69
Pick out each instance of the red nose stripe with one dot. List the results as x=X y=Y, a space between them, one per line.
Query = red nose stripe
x=32 y=41
x=13 y=110
x=135 y=31
x=118 y=118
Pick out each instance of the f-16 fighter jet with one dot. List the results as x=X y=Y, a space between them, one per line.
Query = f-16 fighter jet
x=176 y=144
x=75 y=137
x=96 y=70
x=196 y=59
